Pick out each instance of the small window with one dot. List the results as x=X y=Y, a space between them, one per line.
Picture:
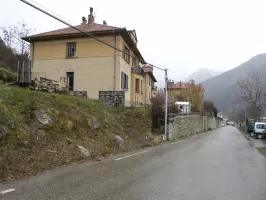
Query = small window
x=124 y=81
x=126 y=55
x=137 y=85
x=181 y=107
x=71 y=49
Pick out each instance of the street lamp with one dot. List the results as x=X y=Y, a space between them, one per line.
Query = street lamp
x=165 y=98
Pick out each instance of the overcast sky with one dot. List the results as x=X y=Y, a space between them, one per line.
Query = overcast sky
x=181 y=35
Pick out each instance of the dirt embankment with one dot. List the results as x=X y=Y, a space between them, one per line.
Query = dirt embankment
x=40 y=131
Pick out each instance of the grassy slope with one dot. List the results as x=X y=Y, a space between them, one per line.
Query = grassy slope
x=27 y=150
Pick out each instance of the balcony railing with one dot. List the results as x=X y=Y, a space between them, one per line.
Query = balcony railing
x=136 y=69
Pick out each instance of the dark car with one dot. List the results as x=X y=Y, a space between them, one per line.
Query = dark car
x=250 y=128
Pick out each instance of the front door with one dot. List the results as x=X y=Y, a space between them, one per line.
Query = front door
x=70 y=81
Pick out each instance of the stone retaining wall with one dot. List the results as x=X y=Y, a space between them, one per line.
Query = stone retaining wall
x=186 y=125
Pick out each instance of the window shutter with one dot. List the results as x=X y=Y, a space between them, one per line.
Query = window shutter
x=122 y=80
x=126 y=82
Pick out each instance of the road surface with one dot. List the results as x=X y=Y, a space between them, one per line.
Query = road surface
x=216 y=165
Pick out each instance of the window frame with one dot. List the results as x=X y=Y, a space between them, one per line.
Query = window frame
x=134 y=62
x=137 y=85
x=124 y=81
x=69 y=53
x=126 y=55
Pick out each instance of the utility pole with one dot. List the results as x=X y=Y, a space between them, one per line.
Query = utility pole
x=166 y=105
x=165 y=100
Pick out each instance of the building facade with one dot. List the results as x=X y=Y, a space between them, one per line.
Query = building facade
x=85 y=63
x=142 y=82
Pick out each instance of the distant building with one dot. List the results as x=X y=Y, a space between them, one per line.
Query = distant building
x=187 y=92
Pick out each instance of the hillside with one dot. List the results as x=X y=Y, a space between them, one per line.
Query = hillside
x=40 y=131
x=222 y=88
x=202 y=75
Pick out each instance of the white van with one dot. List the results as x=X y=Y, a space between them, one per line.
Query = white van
x=259 y=130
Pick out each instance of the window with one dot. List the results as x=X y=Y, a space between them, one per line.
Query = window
x=124 y=81
x=260 y=126
x=149 y=95
x=71 y=49
x=149 y=81
x=134 y=63
x=137 y=85
x=126 y=54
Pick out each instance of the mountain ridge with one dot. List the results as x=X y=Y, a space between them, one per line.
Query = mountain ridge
x=222 y=88
x=202 y=75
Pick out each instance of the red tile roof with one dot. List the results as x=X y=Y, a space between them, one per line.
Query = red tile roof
x=178 y=85
x=95 y=29
x=148 y=70
x=83 y=27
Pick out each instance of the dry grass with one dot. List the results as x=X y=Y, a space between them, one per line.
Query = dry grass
x=27 y=150
x=262 y=150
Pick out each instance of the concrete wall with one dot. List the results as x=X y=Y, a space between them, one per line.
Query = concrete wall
x=186 y=125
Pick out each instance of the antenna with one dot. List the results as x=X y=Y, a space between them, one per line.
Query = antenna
x=94 y=14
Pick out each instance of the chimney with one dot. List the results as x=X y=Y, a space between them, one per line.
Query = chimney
x=104 y=22
x=84 y=20
x=91 y=17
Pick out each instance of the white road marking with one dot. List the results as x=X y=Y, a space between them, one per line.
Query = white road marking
x=177 y=142
x=7 y=191
x=131 y=155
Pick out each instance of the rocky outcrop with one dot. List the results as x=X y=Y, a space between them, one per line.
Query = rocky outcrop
x=118 y=142
x=43 y=118
x=85 y=152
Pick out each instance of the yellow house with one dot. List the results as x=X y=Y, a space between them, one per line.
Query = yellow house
x=87 y=64
x=142 y=82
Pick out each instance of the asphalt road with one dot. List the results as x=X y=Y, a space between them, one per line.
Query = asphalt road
x=216 y=165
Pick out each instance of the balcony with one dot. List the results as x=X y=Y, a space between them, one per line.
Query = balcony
x=136 y=70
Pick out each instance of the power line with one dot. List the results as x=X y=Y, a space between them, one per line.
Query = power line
x=51 y=11
x=74 y=27
x=80 y=30
x=106 y=43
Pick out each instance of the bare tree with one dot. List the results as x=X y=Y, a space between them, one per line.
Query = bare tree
x=12 y=37
x=253 y=92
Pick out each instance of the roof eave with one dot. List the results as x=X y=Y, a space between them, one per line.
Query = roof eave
x=79 y=34
x=152 y=76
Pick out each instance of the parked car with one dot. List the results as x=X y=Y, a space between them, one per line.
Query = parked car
x=260 y=130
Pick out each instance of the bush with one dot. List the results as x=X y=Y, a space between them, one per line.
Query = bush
x=157 y=110
x=210 y=108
